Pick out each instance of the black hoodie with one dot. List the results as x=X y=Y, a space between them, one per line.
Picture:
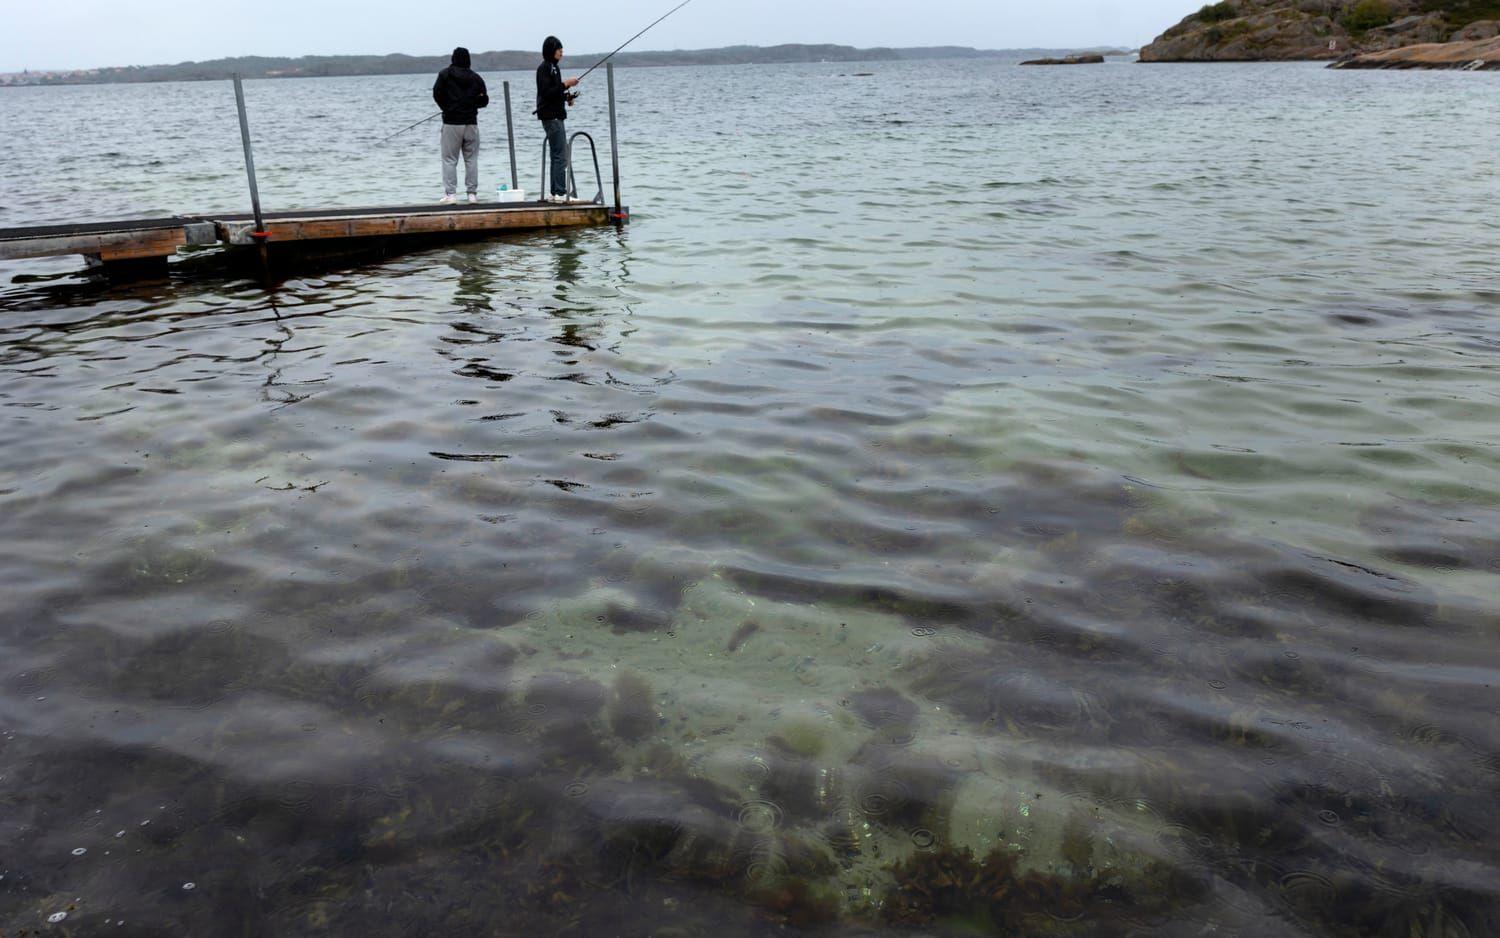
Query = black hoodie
x=459 y=91
x=551 y=93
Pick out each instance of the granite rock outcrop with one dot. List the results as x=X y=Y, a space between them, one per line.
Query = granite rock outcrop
x=1473 y=55
x=1268 y=30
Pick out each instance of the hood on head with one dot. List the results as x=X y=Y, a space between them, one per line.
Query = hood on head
x=550 y=47
x=461 y=57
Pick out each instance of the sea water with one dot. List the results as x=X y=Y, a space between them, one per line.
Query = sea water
x=964 y=497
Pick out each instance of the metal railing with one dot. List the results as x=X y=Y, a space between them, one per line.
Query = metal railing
x=572 y=180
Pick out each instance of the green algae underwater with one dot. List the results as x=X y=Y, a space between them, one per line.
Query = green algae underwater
x=684 y=746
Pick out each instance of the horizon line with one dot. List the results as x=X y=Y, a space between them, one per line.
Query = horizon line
x=582 y=55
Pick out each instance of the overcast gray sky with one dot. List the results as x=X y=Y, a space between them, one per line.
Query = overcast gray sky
x=54 y=34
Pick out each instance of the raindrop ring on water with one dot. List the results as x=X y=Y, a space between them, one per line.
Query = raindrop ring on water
x=576 y=789
x=1328 y=816
x=1306 y=887
x=537 y=709
x=924 y=631
x=765 y=869
x=760 y=817
x=923 y=838
x=898 y=736
x=882 y=797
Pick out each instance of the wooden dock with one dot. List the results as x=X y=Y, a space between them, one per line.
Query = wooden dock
x=146 y=241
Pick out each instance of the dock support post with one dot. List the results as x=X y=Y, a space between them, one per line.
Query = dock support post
x=260 y=225
x=614 y=142
x=510 y=138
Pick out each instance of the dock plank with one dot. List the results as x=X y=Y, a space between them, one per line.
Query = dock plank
x=110 y=246
x=473 y=220
x=138 y=239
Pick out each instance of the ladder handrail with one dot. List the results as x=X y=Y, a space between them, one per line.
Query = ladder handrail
x=572 y=180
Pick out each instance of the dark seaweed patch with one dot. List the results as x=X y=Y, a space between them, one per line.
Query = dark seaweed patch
x=882 y=707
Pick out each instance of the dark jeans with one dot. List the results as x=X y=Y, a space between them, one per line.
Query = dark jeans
x=557 y=142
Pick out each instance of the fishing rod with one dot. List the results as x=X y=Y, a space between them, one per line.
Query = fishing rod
x=634 y=38
x=573 y=95
x=413 y=126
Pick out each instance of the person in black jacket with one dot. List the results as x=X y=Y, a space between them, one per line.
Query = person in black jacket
x=552 y=100
x=460 y=93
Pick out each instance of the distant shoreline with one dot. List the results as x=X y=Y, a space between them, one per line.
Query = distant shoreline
x=331 y=66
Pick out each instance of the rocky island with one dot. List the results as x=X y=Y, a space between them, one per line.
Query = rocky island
x=1080 y=59
x=1271 y=30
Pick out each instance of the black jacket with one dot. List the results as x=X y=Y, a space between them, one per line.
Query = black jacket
x=460 y=92
x=550 y=102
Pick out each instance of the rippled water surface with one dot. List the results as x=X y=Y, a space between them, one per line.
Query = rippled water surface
x=965 y=498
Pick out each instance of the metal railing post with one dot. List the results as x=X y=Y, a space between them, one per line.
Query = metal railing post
x=239 y=102
x=510 y=137
x=259 y=234
x=614 y=138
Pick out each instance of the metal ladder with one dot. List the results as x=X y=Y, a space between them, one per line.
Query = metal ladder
x=572 y=180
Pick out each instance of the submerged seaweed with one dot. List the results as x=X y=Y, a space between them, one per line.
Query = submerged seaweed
x=993 y=894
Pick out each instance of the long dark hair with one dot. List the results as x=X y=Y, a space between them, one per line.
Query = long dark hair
x=550 y=47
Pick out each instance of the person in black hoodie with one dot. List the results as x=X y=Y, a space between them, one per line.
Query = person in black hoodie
x=552 y=100
x=460 y=93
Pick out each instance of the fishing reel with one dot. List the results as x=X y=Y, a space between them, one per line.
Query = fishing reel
x=571 y=97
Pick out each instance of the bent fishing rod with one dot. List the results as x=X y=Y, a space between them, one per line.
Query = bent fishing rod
x=413 y=126
x=638 y=35
x=572 y=96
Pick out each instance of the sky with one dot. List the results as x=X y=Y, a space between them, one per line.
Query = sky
x=66 y=34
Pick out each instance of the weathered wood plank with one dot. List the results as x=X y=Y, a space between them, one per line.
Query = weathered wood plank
x=155 y=244
x=124 y=245
x=163 y=241
x=285 y=230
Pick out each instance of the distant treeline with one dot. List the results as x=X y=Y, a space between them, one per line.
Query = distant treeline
x=312 y=66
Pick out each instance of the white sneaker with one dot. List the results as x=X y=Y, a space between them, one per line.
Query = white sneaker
x=448 y=200
x=557 y=199
x=473 y=199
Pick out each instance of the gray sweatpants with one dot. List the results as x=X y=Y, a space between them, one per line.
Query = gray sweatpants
x=456 y=138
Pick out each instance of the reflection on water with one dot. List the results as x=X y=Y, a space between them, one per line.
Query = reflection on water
x=1090 y=556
